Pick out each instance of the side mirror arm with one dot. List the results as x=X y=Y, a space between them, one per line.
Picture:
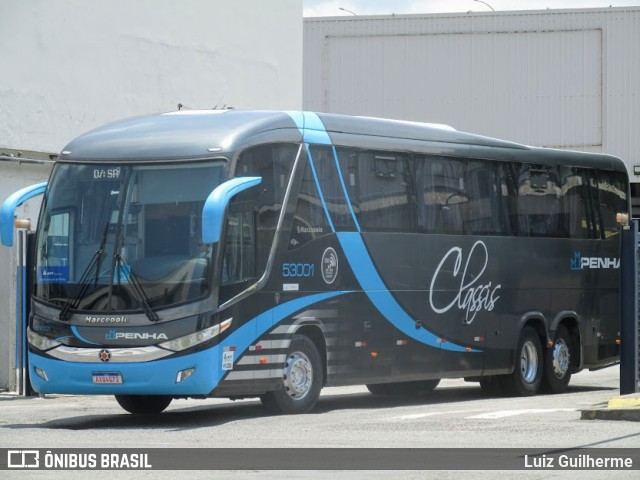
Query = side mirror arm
x=9 y=207
x=216 y=204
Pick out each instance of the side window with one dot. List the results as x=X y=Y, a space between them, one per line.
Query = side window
x=274 y=164
x=576 y=211
x=309 y=221
x=382 y=190
x=239 y=260
x=58 y=247
x=539 y=201
x=441 y=194
x=613 y=200
x=332 y=191
x=487 y=212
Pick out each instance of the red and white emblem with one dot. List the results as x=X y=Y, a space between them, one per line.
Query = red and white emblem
x=104 y=355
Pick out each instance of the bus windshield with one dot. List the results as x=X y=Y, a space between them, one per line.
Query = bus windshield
x=125 y=237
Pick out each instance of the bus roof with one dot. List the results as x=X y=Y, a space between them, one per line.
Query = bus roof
x=204 y=134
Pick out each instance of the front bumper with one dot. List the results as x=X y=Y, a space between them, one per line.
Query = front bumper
x=138 y=378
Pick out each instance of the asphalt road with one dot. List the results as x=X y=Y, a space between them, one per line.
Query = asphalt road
x=456 y=414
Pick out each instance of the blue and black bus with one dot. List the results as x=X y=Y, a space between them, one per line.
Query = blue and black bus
x=268 y=254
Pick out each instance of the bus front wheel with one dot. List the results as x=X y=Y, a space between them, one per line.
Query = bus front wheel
x=302 y=376
x=144 y=404
x=527 y=374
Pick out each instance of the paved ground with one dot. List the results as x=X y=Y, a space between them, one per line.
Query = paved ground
x=455 y=415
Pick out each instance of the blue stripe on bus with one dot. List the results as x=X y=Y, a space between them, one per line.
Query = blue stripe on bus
x=159 y=377
x=379 y=295
x=75 y=331
x=358 y=256
x=242 y=338
x=311 y=127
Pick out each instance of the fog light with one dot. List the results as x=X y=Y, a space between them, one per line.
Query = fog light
x=42 y=374
x=184 y=374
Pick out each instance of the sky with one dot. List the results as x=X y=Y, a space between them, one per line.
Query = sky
x=328 y=8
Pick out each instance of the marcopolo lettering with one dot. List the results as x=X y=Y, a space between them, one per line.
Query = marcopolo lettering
x=110 y=320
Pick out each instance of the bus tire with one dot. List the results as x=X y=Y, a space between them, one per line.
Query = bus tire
x=557 y=363
x=301 y=379
x=144 y=404
x=527 y=374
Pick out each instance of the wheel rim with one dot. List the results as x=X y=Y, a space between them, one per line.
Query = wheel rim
x=529 y=362
x=298 y=375
x=561 y=358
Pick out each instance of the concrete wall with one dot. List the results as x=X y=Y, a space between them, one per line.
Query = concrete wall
x=70 y=65
x=552 y=78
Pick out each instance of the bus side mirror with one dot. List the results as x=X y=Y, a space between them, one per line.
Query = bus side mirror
x=9 y=207
x=216 y=204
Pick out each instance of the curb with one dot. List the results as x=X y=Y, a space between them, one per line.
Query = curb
x=625 y=408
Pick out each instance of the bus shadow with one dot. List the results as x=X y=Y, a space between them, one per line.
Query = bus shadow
x=205 y=415
x=208 y=415
x=469 y=393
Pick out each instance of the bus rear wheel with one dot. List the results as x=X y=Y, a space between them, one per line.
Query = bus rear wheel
x=144 y=404
x=302 y=376
x=557 y=363
x=527 y=374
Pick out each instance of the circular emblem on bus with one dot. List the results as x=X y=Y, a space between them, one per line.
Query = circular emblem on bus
x=329 y=265
x=105 y=355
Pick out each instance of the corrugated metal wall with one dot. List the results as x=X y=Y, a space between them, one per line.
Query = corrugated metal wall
x=563 y=78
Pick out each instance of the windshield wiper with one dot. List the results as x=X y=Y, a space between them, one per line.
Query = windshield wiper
x=83 y=284
x=122 y=266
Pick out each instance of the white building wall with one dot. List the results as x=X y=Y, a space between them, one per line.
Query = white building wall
x=552 y=78
x=69 y=66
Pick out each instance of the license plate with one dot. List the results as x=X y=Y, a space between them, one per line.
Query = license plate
x=107 y=377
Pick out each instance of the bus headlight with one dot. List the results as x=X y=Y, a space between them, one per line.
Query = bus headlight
x=41 y=342
x=188 y=341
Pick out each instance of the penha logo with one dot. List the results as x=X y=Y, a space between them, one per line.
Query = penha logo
x=115 y=335
x=578 y=262
x=472 y=296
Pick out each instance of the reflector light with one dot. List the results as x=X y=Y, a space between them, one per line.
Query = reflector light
x=42 y=374
x=263 y=360
x=622 y=218
x=374 y=354
x=184 y=374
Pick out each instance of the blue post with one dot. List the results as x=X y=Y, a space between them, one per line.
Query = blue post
x=629 y=309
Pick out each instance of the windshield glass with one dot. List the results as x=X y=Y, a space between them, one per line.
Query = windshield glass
x=121 y=237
